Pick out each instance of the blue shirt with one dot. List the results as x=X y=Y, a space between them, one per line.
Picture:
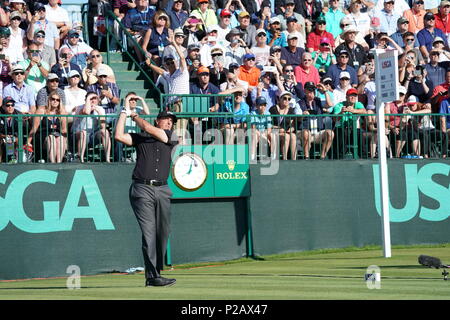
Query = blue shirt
x=261 y=121
x=334 y=71
x=281 y=41
x=436 y=74
x=426 y=38
x=445 y=108
x=333 y=20
x=24 y=97
x=269 y=94
x=137 y=20
x=398 y=39
x=388 y=22
x=177 y=20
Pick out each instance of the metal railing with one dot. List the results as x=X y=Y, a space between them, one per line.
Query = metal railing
x=126 y=50
x=89 y=138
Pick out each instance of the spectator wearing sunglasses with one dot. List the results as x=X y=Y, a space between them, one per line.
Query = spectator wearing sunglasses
x=23 y=94
x=314 y=38
x=95 y=63
x=345 y=23
x=80 y=50
x=14 y=54
x=402 y=28
x=249 y=72
x=357 y=54
x=9 y=129
x=427 y=35
x=64 y=66
x=292 y=54
x=36 y=70
x=18 y=35
x=48 y=54
x=415 y=16
x=40 y=22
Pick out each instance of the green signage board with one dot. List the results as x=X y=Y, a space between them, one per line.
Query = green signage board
x=211 y=171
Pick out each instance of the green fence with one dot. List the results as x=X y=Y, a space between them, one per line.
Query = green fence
x=90 y=138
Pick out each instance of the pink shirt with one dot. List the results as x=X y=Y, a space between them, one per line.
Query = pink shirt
x=302 y=76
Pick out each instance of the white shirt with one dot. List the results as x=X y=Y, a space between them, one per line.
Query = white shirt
x=400 y=6
x=74 y=98
x=58 y=14
x=371 y=93
x=178 y=82
x=233 y=55
x=262 y=55
x=360 y=21
x=16 y=40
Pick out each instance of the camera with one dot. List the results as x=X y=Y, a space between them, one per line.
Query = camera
x=2 y=57
x=64 y=55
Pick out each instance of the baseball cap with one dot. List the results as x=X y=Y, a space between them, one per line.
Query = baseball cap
x=291 y=19
x=193 y=46
x=167 y=114
x=16 y=1
x=343 y=52
x=260 y=100
x=73 y=73
x=39 y=31
x=275 y=48
x=412 y=99
x=438 y=39
x=52 y=76
x=261 y=31
x=321 y=19
x=38 y=6
x=216 y=49
x=289 y=2
x=351 y=91
x=389 y=1
x=375 y=22
x=248 y=56
x=15 y=14
x=225 y=13
x=344 y=74
x=5 y=32
x=77 y=24
x=202 y=69
x=310 y=86
x=8 y=99
x=402 y=89
x=73 y=31
x=292 y=35
x=275 y=20
x=285 y=93
x=428 y=16
x=103 y=72
x=444 y=3
x=193 y=20
x=202 y=1
x=244 y=14
x=324 y=40
x=402 y=20
x=350 y=28
x=17 y=68
x=178 y=31
x=212 y=28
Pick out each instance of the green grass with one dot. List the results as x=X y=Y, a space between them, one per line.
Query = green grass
x=322 y=274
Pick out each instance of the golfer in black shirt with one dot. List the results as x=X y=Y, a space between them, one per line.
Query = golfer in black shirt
x=149 y=193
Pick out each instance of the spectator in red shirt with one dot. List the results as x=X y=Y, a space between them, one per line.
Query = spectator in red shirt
x=442 y=17
x=306 y=71
x=313 y=39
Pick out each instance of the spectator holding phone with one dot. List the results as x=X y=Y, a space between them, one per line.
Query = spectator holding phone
x=420 y=85
x=95 y=63
x=36 y=70
x=80 y=50
x=108 y=93
x=64 y=66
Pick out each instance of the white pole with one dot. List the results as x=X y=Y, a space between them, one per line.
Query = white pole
x=384 y=186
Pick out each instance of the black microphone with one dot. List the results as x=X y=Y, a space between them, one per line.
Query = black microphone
x=431 y=262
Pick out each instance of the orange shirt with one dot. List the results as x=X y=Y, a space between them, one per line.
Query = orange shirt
x=251 y=75
x=415 y=20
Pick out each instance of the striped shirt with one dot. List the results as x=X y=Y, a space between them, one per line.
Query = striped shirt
x=178 y=82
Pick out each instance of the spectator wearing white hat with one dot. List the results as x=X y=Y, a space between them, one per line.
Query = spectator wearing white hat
x=108 y=92
x=274 y=35
x=74 y=94
x=357 y=54
x=340 y=91
x=52 y=84
x=170 y=50
x=292 y=28
x=292 y=54
x=261 y=50
x=23 y=94
x=59 y=16
x=344 y=23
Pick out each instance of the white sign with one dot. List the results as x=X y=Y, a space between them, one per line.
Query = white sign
x=386 y=75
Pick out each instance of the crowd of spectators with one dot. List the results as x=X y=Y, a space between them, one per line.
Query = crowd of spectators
x=278 y=58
